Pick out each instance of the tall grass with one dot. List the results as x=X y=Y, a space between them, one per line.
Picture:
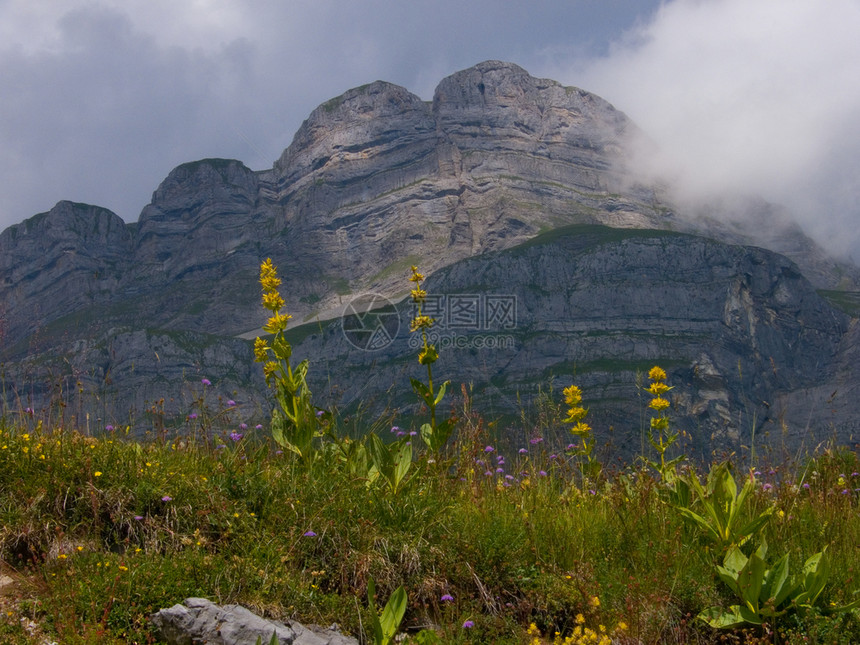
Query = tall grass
x=99 y=532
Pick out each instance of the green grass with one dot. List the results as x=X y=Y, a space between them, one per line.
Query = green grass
x=223 y=519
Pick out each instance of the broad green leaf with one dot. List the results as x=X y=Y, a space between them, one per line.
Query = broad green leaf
x=721 y=619
x=441 y=393
x=402 y=465
x=392 y=614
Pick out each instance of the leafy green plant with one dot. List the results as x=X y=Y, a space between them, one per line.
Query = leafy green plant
x=384 y=626
x=722 y=519
x=392 y=462
x=295 y=423
x=434 y=434
x=659 y=435
x=767 y=593
x=576 y=414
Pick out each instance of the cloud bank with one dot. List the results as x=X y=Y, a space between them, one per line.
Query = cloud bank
x=747 y=97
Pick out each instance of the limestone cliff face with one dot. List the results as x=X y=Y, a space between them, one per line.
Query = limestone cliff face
x=746 y=340
x=376 y=180
x=59 y=262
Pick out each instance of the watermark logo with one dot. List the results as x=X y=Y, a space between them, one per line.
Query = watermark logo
x=370 y=322
x=476 y=312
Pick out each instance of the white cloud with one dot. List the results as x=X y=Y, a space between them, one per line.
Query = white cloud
x=755 y=97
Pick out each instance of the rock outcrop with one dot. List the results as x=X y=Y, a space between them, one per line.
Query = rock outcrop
x=201 y=621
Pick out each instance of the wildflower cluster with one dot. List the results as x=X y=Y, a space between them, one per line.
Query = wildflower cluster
x=581 y=634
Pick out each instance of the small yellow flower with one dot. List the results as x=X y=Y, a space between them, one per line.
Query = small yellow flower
x=123 y=568
x=62 y=556
x=595 y=601
x=657 y=374
x=418 y=294
x=277 y=323
x=658 y=403
x=421 y=322
x=581 y=429
x=273 y=301
x=25 y=437
x=657 y=388
x=580 y=619
x=572 y=395
x=261 y=349
x=98 y=473
x=621 y=626
x=416 y=277
x=576 y=414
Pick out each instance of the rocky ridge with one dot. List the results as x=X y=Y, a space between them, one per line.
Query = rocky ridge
x=374 y=180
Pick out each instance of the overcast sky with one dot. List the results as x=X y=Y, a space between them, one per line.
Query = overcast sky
x=100 y=100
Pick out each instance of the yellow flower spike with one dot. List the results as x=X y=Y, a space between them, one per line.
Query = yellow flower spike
x=418 y=294
x=595 y=601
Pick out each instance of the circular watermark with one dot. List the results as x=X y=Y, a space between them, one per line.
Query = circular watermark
x=370 y=322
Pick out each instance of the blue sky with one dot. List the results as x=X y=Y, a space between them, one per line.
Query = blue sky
x=101 y=99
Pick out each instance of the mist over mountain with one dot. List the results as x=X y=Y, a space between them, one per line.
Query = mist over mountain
x=503 y=186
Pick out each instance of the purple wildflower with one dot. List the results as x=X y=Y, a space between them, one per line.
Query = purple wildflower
x=236 y=436
x=468 y=624
x=489 y=449
x=523 y=451
x=231 y=403
x=766 y=487
x=220 y=446
x=138 y=517
x=259 y=426
x=542 y=473
x=447 y=598
x=309 y=534
x=243 y=426
x=500 y=470
x=109 y=428
x=395 y=429
x=535 y=440
x=206 y=381
x=167 y=498
x=489 y=473
x=193 y=415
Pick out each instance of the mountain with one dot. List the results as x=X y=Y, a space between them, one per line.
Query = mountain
x=109 y=318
